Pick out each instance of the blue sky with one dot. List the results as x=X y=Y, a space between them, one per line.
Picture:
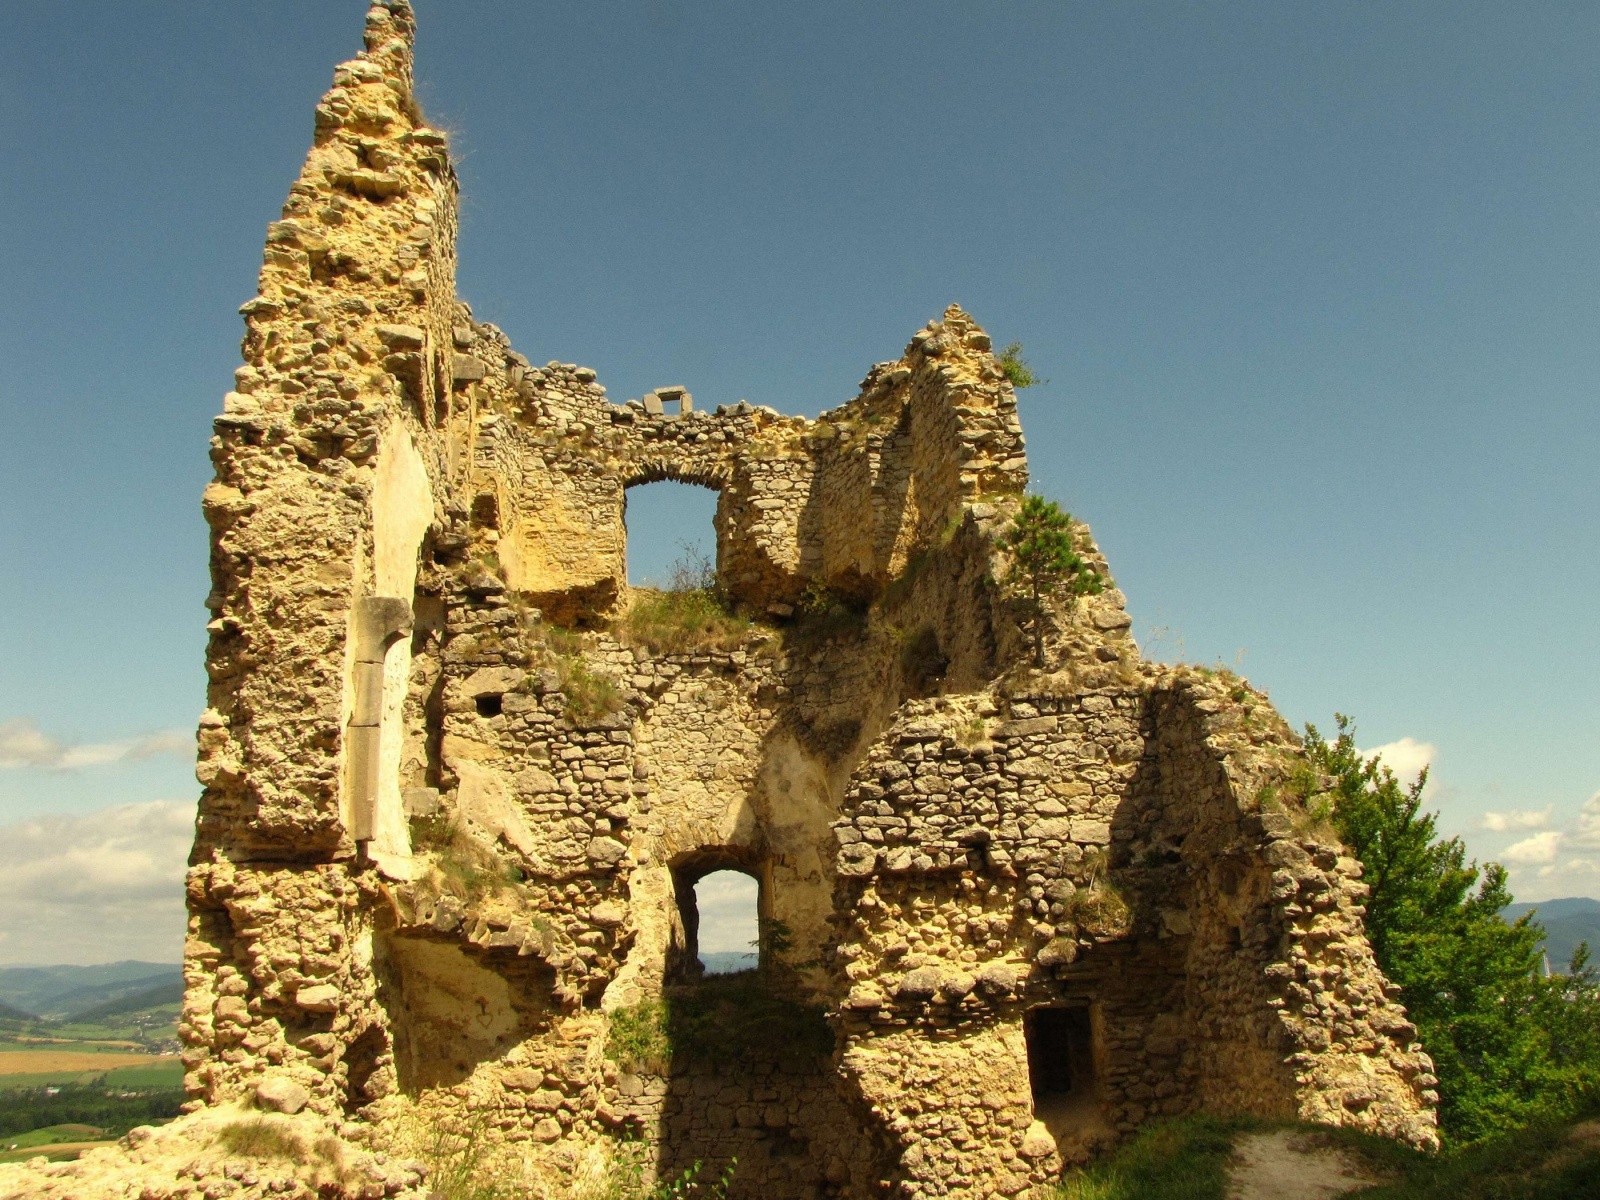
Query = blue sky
x=1315 y=289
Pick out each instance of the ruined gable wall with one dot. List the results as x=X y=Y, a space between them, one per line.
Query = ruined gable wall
x=330 y=421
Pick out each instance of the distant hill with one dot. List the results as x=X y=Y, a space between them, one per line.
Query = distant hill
x=8 y=1013
x=170 y=992
x=57 y=992
x=721 y=962
x=1566 y=923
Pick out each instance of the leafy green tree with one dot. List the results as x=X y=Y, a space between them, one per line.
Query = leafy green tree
x=1043 y=562
x=1509 y=1045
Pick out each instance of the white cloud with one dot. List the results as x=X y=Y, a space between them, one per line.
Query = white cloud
x=1587 y=834
x=1574 y=869
x=1540 y=848
x=1514 y=819
x=1406 y=758
x=726 y=902
x=24 y=744
x=98 y=887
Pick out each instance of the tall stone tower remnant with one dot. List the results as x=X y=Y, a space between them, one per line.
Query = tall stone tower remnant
x=454 y=811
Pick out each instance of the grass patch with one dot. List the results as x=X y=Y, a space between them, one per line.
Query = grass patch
x=1098 y=908
x=260 y=1138
x=722 y=1019
x=638 y=1041
x=682 y=622
x=460 y=865
x=589 y=695
x=458 y=1162
x=1176 y=1160
x=972 y=731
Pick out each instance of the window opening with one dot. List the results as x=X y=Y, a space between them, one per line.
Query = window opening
x=1060 y=1053
x=726 y=907
x=672 y=544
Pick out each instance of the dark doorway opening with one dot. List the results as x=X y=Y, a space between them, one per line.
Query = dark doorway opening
x=1060 y=1052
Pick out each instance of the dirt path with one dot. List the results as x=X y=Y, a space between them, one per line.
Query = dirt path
x=1292 y=1166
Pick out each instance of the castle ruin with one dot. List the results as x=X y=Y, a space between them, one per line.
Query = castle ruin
x=454 y=813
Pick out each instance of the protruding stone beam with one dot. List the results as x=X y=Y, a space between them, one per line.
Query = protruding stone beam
x=380 y=621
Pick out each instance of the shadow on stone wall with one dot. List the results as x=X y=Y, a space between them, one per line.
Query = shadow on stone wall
x=749 y=1076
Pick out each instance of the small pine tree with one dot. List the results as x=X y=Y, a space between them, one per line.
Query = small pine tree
x=1043 y=562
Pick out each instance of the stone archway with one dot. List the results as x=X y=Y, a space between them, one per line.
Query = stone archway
x=687 y=872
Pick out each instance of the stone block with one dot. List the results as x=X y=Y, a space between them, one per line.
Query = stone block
x=493 y=681
x=401 y=337
x=606 y=852
x=278 y=1094
x=421 y=802
x=1090 y=831
x=319 y=997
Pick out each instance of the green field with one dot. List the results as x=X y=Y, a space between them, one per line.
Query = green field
x=153 y=1029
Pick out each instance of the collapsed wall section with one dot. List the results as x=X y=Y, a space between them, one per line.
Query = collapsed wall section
x=1103 y=853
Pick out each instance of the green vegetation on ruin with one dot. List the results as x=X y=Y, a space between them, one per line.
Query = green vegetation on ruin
x=824 y=616
x=588 y=695
x=1044 y=561
x=460 y=864
x=1016 y=367
x=692 y=621
x=1511 y=1047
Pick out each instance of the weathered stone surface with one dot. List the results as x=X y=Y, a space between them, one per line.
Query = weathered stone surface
x=321 y=997
x=277 y=1094
x=453 y=798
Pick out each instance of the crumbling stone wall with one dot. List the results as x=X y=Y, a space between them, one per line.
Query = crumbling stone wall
x=450 y=804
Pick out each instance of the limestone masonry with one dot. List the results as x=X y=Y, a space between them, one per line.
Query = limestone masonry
x=453 y=813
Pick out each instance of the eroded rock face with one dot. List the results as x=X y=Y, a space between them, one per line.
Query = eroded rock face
x=454 y=802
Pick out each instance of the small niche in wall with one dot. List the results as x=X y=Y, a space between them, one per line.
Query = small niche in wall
x=1060 y=1053
x=490 y=705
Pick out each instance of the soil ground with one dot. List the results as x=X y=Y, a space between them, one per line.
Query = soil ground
x=1286 y=1164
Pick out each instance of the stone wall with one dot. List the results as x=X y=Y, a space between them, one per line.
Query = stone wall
x=450 y=802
